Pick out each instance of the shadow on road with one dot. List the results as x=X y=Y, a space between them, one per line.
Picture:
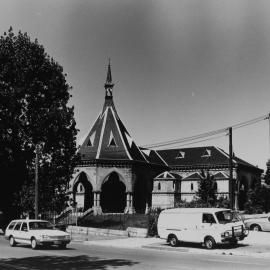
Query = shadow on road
x=200 y=246
x=82 y=262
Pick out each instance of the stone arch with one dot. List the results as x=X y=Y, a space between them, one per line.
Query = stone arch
x=83 y=192
x=113 y=194
x=76 y=175
x=121 y=178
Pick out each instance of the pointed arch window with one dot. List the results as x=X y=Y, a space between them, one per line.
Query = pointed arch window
x=80 y=188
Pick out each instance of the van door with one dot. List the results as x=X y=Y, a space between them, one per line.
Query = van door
x=189 y=228
x=208 y=224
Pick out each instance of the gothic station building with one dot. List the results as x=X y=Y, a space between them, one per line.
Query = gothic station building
x=114 y=174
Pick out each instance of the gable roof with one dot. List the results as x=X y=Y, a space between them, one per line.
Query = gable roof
x=193 y=176
x=168 y=176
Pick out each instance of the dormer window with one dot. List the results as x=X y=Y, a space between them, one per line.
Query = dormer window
x=207 y=153
x=181 y=154
x=112 y=142
x=91 y=140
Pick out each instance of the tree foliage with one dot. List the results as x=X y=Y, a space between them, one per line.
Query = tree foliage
x=207 y=189
x=258 y=200
x=34 y=111
x=267 y=173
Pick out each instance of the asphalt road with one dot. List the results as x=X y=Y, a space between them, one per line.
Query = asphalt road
x=80 y=256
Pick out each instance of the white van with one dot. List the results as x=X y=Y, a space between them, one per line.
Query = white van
x=209 y=226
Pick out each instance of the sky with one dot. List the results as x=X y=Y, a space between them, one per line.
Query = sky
x=180 y=67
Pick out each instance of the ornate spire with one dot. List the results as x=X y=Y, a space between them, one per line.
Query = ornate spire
x=108 y=84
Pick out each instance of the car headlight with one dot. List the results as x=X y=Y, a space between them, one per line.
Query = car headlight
x=45 y=237
x=225 y=234
x=67 y=237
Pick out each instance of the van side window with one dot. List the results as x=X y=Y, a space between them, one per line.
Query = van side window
x=208 y=218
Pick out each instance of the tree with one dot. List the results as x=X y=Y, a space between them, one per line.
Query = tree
x=258 y=199
x=207 y=189
x=34 y=112
x=267 y=173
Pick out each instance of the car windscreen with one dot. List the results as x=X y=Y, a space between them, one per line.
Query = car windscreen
x=227 y=216
x=40 y=225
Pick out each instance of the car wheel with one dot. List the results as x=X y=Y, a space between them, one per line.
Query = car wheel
x=233 y=243
x=209 y=242
x=33 y=243
x=12 y=241
x=256 y=228
x=173 y=241
x=62 y=246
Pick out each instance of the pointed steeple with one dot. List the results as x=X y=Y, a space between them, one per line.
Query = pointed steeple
x=108 y=138
x=108 y=84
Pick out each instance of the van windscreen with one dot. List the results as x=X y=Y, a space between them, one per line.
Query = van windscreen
x=227 y=216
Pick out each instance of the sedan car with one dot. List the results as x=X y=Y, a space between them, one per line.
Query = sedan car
x=35 y=232
x=258 y=224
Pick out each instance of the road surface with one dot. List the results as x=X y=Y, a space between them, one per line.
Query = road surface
x=80 y=256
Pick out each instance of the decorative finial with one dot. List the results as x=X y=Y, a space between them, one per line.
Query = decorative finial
x=108 y=84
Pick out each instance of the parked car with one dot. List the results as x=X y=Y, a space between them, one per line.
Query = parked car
x=35 y=232
x=209 y=226
x=258 y=224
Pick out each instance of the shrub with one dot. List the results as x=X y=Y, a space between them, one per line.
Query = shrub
x=152 y=221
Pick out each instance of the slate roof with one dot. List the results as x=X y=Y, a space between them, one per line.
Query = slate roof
x=199 y=156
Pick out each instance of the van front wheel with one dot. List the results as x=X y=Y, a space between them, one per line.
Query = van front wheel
x=173 y=241
x=209 y=242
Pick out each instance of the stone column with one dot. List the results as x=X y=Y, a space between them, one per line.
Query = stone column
x=96 y=207
x=129 y=204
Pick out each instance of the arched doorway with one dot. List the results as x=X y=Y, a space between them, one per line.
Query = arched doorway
x=113 y=195
x=83 y=192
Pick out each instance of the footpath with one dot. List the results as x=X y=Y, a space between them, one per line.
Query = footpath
x=257 y=244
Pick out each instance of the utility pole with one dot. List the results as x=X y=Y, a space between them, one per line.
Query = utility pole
x=36 y=181
x=231 y=184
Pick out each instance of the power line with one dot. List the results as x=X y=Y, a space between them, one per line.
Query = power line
x=214 y=138
x=206 y=134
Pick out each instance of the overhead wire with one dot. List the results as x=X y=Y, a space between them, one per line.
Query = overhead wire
x=197 y=138
x=214 y=138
